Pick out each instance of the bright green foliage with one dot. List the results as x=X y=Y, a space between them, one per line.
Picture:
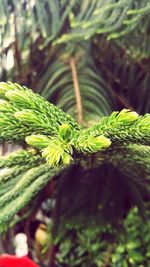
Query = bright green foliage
x=60 y=140
x=125 y=126
x=38 y=141
x=57 y=152
x=54 y=150
x=34 y=112
x=31 y=110
x=24 y=101
x=91 y=143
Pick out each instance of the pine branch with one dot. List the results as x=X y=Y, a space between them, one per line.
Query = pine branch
x=64 y=141
x=63 y=134
x=13 y=172
x=26 y=194
x=24 y=113
x=20 y=157
x=24 y=182
x=124 y=127
x=28 y=109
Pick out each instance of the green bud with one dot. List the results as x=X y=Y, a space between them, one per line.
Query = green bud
x=21 y=99
x=5 y=87
x=38 y=141
x=65 y=132
x=57 y=152
x=99 y=142
x=127 y=117
x=52 y=154
x=27 y=117
x=92 y=144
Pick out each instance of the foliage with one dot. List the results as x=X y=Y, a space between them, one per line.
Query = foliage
x=128 y=77
x=87 y=245
x=60 y=139
x=87 y=59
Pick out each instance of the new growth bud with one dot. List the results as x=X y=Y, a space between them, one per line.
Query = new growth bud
x=5 y=87
x=65 y=132
x=38 y=141
x=127 y=117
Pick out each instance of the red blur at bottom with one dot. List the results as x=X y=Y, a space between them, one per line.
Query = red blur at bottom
x=13 y=261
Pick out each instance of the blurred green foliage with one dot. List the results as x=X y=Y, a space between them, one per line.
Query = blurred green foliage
x=96 y=245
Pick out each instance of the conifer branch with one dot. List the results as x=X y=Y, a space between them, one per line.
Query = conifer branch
x=23 y=197
x=121 y=139
x=20 y=157
x=124 y=127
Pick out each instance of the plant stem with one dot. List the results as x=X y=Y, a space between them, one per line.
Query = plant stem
x=76 y=89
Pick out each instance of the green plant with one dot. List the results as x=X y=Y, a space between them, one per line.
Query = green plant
x=87 y=245
x=86 y=58
x=59 y=140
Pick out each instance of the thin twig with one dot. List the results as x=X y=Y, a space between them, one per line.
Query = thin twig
x=76 y=89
